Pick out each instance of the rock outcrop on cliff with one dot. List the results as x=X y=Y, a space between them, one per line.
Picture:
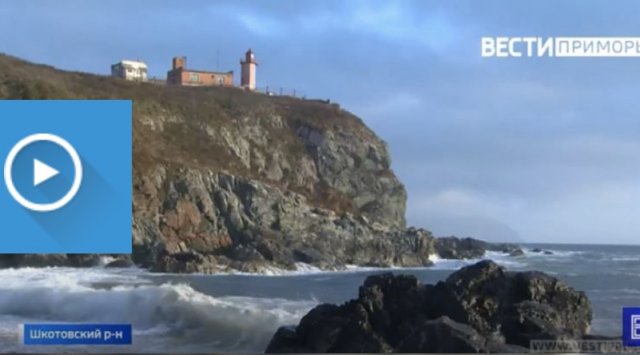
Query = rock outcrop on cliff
x=479 y=308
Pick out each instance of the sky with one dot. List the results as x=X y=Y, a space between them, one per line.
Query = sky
x=517 y=149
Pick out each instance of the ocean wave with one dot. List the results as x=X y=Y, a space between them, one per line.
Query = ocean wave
x=498 y=257
x=438 y=264
x=104 y=260
x=300 y=269
x=619 y=291
x=554 y=253
x=175 y=311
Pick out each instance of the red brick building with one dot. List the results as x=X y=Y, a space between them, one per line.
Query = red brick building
x=180 y=75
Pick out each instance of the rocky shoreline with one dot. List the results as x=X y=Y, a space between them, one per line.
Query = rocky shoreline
x=479 y=308
x=413 y=248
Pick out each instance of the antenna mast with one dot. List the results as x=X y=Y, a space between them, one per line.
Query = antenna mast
x=218 y=59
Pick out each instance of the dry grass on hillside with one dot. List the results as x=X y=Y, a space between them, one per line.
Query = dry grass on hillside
x=186 y=144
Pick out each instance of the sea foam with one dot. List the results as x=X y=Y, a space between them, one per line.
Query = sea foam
x=164 y=312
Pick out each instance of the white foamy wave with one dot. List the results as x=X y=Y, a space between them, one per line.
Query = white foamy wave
x=452 y=264
x=175 y=311
x=301 y=269
x=65 y=277
x=504 y=259
x=434 y=258
x=499 y=258
x=554 y=253
x=104 y=260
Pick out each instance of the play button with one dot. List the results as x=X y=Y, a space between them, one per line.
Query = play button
x=42 y=172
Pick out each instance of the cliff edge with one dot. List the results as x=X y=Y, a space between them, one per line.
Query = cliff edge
x=225 y=179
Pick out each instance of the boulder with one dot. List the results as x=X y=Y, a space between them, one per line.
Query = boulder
x=518 y=252
x=470 y=248
x=48 y=260
x=491 y=300
x=459 y=248
x=506 y=248
x=443 y=335
x=480 y=308
x=120 y=262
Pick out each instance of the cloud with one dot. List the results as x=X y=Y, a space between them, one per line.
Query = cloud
x=389 y=21
x=261 y=25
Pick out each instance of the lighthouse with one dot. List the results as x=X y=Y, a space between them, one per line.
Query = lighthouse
x=248 y=76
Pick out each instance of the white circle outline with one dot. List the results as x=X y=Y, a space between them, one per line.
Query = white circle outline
x=43 y=207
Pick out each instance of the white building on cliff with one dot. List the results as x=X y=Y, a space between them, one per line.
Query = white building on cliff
x=130 y=70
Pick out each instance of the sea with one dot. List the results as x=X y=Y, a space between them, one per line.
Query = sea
x=175 y=313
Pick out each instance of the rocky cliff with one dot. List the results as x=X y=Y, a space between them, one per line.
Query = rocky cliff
x=225 y=179
x=247 y=181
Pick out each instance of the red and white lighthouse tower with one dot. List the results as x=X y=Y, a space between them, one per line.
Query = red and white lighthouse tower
x=248 y=76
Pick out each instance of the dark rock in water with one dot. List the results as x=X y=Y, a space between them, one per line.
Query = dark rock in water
x=547 y=252
x=120 y=262
x=32 y=260
x=285 y=340
x=538 y=250
x=83 y=260
x=460 y=248
x=470 y=248
x=523 y=306
x=506 y=248
x=444 y=335
x=48 y=260
x=518 y=252
x=480 y=308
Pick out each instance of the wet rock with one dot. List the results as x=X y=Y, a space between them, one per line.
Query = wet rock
x=480 y=308
x=506 y=248
x=443 y=335
x=83 y=260
x=48 y=260
x=518 y=252
x=120 y=262
x=470 y=248
x=460 y=248
x=32 y=260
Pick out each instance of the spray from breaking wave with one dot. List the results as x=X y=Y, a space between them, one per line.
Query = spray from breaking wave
x=169 y=316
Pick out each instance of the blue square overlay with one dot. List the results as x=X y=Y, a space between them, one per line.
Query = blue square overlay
x=98 y=218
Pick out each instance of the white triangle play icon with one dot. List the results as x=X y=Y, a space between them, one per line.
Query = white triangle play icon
x=42 y=172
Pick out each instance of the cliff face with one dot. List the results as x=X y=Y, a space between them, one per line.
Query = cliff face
x=254 y=181
x=225 y=179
